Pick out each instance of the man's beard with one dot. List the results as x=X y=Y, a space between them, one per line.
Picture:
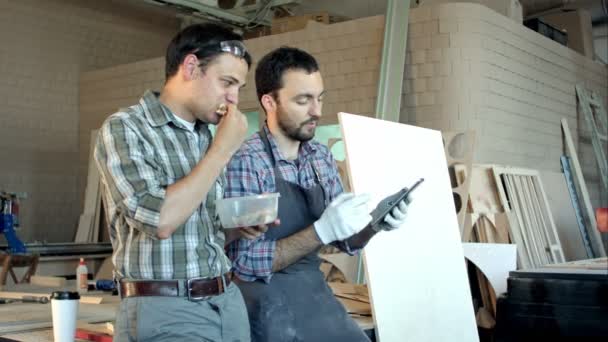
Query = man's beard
x=293 y=130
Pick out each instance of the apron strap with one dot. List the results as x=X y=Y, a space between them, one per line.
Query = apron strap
x=268 y=149
x=277 y=172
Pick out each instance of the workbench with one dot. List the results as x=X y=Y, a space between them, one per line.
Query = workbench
x=33 y=322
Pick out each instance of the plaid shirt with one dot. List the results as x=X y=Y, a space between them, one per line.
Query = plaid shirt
x=139 y=152
x=250 y=172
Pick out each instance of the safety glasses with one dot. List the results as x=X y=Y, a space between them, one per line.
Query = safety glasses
x=233 y=47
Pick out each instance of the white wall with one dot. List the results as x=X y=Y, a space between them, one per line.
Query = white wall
x=469 y=67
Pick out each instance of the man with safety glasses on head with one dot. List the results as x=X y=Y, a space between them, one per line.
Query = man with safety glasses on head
x=161 y=173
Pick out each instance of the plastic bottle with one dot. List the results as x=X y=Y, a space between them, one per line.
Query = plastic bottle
x=82 y=273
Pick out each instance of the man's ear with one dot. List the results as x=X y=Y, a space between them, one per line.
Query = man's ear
x=269 y=103
x=190 y=67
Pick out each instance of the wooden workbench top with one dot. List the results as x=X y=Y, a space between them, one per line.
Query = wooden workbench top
x=33 y=321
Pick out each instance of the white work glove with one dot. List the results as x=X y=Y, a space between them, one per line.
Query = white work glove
x=396 y=218
x=345 y=216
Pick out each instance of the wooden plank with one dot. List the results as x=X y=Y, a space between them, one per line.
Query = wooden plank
x=523 y=194
x=91 y=299
x=411 y=272
x=47 y=281
x=526 y=209
x=12 y=327
x=490 y=228
x=106 y=269
x=501 y=224
x=588 y=264
x=326 y=268
x=20 y=295
x=594 y=234
x=556 y=250
x=20 y=317
x=483 y=195
x=95 y=231
x=98 y=328
x=362 y=299
x=84 y=226
x=486 y=298
x=15 y=318
x=469 y=221
x=90 y=215
x=355 y=306
x=576 y=204
x=593 y=109
x=459 y=148
x=349 y=288
x=523 y=259
x=531 y=229
x=347 y=264
x=564 y=215
x=521 y=237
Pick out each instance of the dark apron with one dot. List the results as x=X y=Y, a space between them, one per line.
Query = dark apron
x=297 y=304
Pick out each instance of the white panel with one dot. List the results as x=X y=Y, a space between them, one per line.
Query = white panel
x=416 y=274
x=564 y=215
x=495 y=260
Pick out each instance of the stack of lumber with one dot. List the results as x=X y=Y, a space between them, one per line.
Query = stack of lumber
x=89 y=221
x=355 y=298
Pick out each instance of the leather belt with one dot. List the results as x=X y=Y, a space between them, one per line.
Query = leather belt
x=193 y=288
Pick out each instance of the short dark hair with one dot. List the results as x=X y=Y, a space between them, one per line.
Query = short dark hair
x=270 y=69
x=203 y=40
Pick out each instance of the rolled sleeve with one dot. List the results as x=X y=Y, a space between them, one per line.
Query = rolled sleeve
x=252 y=259
x=130 y=176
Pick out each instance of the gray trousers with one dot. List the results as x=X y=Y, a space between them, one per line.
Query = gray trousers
x=218 y=318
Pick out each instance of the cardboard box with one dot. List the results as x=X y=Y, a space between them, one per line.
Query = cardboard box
x=257 y=32
x=509 y=8
x=295 y=23
x=577 y=24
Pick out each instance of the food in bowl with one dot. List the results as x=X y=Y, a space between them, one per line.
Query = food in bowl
x=248 y=211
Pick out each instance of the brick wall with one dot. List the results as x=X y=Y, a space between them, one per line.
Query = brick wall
x=471 y=68
x=46 y=44
x=348 y=53
x=467 y=67
x=103 y=92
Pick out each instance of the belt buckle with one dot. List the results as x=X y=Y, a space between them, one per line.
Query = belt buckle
x=223 y=278
x=189 y=290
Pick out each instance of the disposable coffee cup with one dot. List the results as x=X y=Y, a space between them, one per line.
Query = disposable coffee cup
x=64 y=305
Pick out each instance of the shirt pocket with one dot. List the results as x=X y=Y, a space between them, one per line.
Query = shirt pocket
x=265 y=181
x=173 y=164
